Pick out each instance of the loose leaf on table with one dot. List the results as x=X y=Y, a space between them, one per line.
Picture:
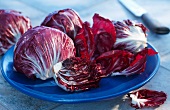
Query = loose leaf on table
x=147 y=98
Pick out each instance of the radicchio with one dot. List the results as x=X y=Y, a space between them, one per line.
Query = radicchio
x=137 y=65
x=77 y=74
x=104 y=34
x=39 y=49
x=121 y=62
x=12 y=25
x=147 y=98
x=84 y=42
x=127 y=54
x=66 y=20
x=130 y=36
x=114 y=61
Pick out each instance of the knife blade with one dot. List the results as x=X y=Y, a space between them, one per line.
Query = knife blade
x=150 y=22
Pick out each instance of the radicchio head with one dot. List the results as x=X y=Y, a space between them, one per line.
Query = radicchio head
x=76 y=74
x=39 y=49
x=130 y=36
x=66 y=20
x=12 y=25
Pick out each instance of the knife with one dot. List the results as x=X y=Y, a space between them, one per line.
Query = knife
x=138 y=11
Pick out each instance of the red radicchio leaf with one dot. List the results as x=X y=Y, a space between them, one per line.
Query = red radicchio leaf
x=114 y=61
x=77 y=74
x=138 y=64
x=147 y=98
x=151 y=52
x=84 y=42
x=130 y=36
x=104 y=34
x=120 y=62
x=67 y=20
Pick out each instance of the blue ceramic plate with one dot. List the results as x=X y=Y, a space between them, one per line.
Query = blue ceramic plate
x=47 y=90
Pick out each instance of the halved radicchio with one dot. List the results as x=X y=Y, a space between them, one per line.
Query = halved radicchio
x=66 y=20
x=147 y=98
x=76 y=74
x=12 y=25
x=130 y=36
x=39 y=49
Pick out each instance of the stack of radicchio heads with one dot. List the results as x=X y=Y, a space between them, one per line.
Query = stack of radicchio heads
x=78 y=55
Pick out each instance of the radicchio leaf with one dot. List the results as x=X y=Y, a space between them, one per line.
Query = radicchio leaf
x=104 y=34
x=12 y=25
x=84 y=42
x=137 y=65
x=147 y=98
x=39 y=49
x=77 y=74
x=121 y=62
x=66 y=20
x=130 y=36
x=114 y=61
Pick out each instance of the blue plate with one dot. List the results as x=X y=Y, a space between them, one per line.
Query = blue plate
x=47 y=90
